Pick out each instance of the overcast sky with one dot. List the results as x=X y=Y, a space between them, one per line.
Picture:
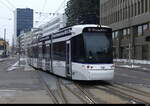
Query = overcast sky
x=8 y=6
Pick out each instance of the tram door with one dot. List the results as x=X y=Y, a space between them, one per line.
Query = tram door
x=68 y=60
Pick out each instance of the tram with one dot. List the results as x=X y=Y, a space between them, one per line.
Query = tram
x=1 y=50
x=4 y=52
x=80 y=52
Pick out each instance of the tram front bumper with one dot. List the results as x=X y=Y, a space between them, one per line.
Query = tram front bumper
x=92 y=75
x=102 y=75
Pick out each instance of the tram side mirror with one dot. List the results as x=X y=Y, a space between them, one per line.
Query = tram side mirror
x=148 y=39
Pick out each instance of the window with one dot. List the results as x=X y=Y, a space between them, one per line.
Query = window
x=124 y=32
x=145 y=27
x=140 y=31
x=98 y=47
x=78 y=50
x=145 y=52
x=40 y=52
x=35 y=51
x=47 y=54
x=113 y=34
x=117 y=35
x=128 y=31
x=92 y=47
x=1 y=47
x=146 y=5
x=44 y=50
x=59 y=51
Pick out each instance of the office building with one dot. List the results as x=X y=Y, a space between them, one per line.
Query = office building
x=130 y=21
x=54 y=24
x=23 y=21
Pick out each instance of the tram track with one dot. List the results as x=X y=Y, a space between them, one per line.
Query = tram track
x=104 y=95
x=80 y=93
x=134 y=90
x=50 y=93
x=60 y=94
x=85 y=94
x=134 y=96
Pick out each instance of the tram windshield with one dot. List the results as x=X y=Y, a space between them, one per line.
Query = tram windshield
x=92 y=47
x=1 y=47
x=98 y=47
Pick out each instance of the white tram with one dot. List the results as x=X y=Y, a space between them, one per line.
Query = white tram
x=81 y=52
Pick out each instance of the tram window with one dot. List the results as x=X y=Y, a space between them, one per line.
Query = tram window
x=36 y=52
x=92 y=49
x=1 y=47
x=78 y=51
x=40 y=52
x=32 y=53
x=59 y=51
x=47 y=52
x=29 y=52
x=44 y=50
x=98 y=47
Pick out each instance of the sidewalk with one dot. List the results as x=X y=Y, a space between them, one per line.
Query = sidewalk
x=22 y=85
x=137 y=65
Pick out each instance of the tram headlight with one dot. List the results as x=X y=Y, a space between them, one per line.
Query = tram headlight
x=88 y=67
x=113 y=66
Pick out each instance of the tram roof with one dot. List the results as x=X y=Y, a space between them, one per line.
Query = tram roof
x=89 y=25
x=76 y=29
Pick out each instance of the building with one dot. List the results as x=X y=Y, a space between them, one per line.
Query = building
x=23 y=21
x=4 y=48
x=54 y=25
x=130 y=20
x=26 y=38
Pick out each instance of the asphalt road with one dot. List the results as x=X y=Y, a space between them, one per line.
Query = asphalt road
x=18 y=86
x=21 y=86
x=125 y=76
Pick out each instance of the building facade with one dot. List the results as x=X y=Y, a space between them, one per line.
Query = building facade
x=26 y=38
x=130 y=21
x=54 y=25
x=23 y=20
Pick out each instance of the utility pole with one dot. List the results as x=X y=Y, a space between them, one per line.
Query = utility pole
x=100 y=12
x=19 y=50
x=130 y=53
x=5 y=46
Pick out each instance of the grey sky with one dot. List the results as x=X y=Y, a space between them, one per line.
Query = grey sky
x=8 y=6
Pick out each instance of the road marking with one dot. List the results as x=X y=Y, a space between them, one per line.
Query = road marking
x=8 y=90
